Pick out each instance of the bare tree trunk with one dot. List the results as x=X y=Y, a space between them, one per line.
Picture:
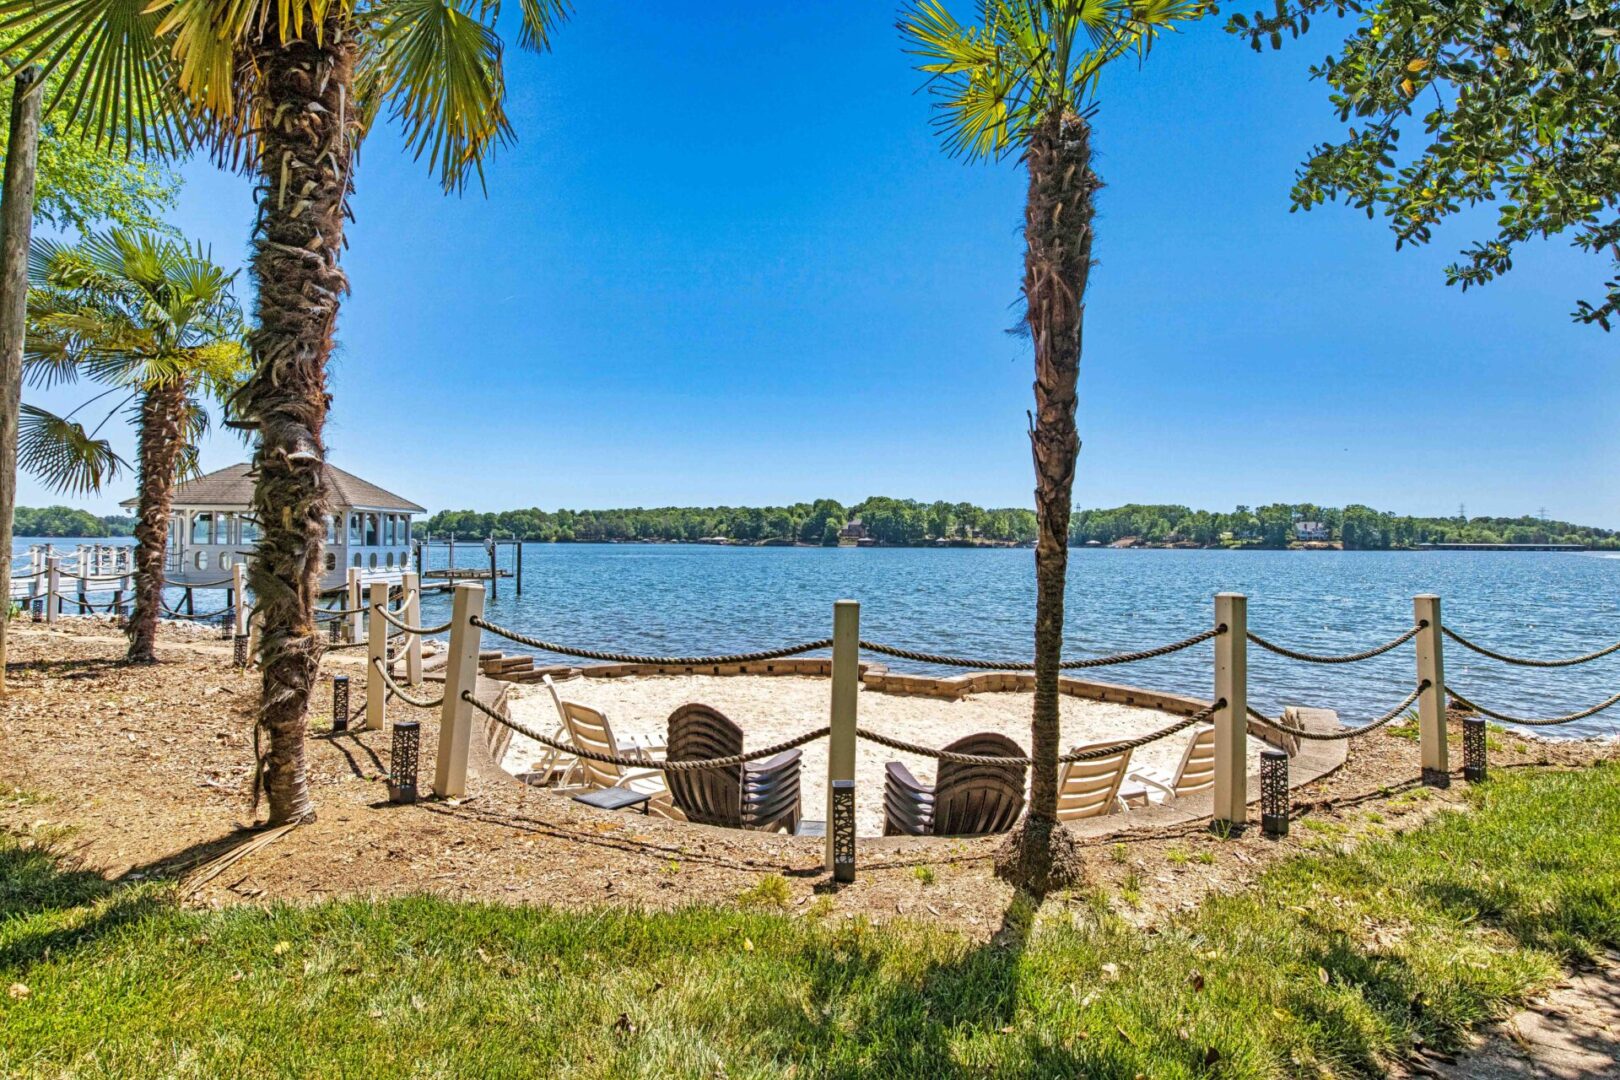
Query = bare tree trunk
x=162 y=416
x=16 y=231
x=1041 y=854
x=304 y=153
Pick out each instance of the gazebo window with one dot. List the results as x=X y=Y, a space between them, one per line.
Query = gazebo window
x=390 y=530
x=354 y=531
x=331 y=530
x=202 y=528
x=405 y=529
x=371 y=530
x=225 y=527
x=250 y=529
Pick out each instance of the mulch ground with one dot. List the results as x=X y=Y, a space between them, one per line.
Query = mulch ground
x=147 y=769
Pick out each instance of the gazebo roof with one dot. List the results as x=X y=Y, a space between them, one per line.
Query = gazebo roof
x=233 y=486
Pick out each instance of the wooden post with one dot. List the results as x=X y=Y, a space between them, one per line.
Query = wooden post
x=1232 y=721
x=518 y=576
x=376 y=653
x=1432 y=702
x=494 y=572
x=421 y=555
x=16 y=233
x=191 y=601
x=356 y=626
x=413 y=616
x=53 y=588
x=461 y=674
x=239 y=593
x=846 y=684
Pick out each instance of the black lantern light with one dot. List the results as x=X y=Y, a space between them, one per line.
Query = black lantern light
x=335 y=630
x=1274 y=792
x=340 y=703
x=239 y=649
x=402 y=761
x=843 y=830
x=1474 y=756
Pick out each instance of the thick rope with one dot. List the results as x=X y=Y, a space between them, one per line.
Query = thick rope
x=363 y=642
x=395 y=689
x=1346 y=733
x=1351 y=658
x=195 y=618
x=1524 y=661
x=336 y=613
x=1024 y=665
x=1094 y=754
x=388 y=617
x=631 y=658
x=628 y=761
x=1522 y=722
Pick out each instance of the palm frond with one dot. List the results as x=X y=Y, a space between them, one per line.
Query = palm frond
x=62 y=455
x=541 y=18
x=1025 y=60
x=437 y=66
x=117 y=81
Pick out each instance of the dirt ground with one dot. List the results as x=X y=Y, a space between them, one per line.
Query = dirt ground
x=147 y=771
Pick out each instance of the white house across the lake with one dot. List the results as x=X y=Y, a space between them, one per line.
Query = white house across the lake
x=212 y=527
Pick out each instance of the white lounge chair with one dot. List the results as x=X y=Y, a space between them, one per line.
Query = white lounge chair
x=587 y=729
x=1091 y=788
x=1195 y=773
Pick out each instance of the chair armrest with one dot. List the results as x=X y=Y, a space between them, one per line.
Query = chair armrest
x=1153 y=779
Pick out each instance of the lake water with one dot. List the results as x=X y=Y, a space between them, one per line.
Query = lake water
x=694 y=600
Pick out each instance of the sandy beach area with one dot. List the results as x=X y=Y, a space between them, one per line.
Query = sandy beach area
x=770 y=709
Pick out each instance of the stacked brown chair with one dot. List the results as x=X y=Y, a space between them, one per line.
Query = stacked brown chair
x=761 y=795
x=966 y=800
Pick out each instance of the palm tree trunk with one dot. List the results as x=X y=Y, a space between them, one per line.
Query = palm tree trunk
x=162 y=416
x=304 y=152
x=1041 y=854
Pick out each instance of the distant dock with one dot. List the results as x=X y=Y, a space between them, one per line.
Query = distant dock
x=1502 y=547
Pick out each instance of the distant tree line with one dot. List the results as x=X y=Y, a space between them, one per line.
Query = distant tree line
x=57 y=521
x=1356 y=527
x=907 y=522
x=897 y=522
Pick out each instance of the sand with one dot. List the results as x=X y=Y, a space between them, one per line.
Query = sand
x=770 y=709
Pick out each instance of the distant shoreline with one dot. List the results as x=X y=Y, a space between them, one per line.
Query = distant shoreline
x=996 y=545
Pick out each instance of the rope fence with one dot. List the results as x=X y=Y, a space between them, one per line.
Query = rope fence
x=404 y=627
x=1522 y=721
x=1346 y=733
x=394 y=688
x=1523 y=661
x=824 y=643
x=1351 y=658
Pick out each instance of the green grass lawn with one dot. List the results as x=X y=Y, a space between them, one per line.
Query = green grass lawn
x=1332 y=962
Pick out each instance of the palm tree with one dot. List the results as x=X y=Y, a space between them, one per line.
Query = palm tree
x=286 y=89
x=154 y=320
x=1021 y=80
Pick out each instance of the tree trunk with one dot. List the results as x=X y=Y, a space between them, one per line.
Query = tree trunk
x=1041 y=854
x=162 y=436
x=16 y=230
x=304 y=151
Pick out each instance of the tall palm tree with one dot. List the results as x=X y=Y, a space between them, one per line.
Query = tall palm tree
x=1020 y=80
x=286 y=89
x=155 y=321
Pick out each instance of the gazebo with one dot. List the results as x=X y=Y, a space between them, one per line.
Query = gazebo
x=212 y=528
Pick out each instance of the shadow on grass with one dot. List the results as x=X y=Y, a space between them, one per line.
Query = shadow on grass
x=40 y=892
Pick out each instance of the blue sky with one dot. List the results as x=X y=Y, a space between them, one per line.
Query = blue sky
x=727 y=262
